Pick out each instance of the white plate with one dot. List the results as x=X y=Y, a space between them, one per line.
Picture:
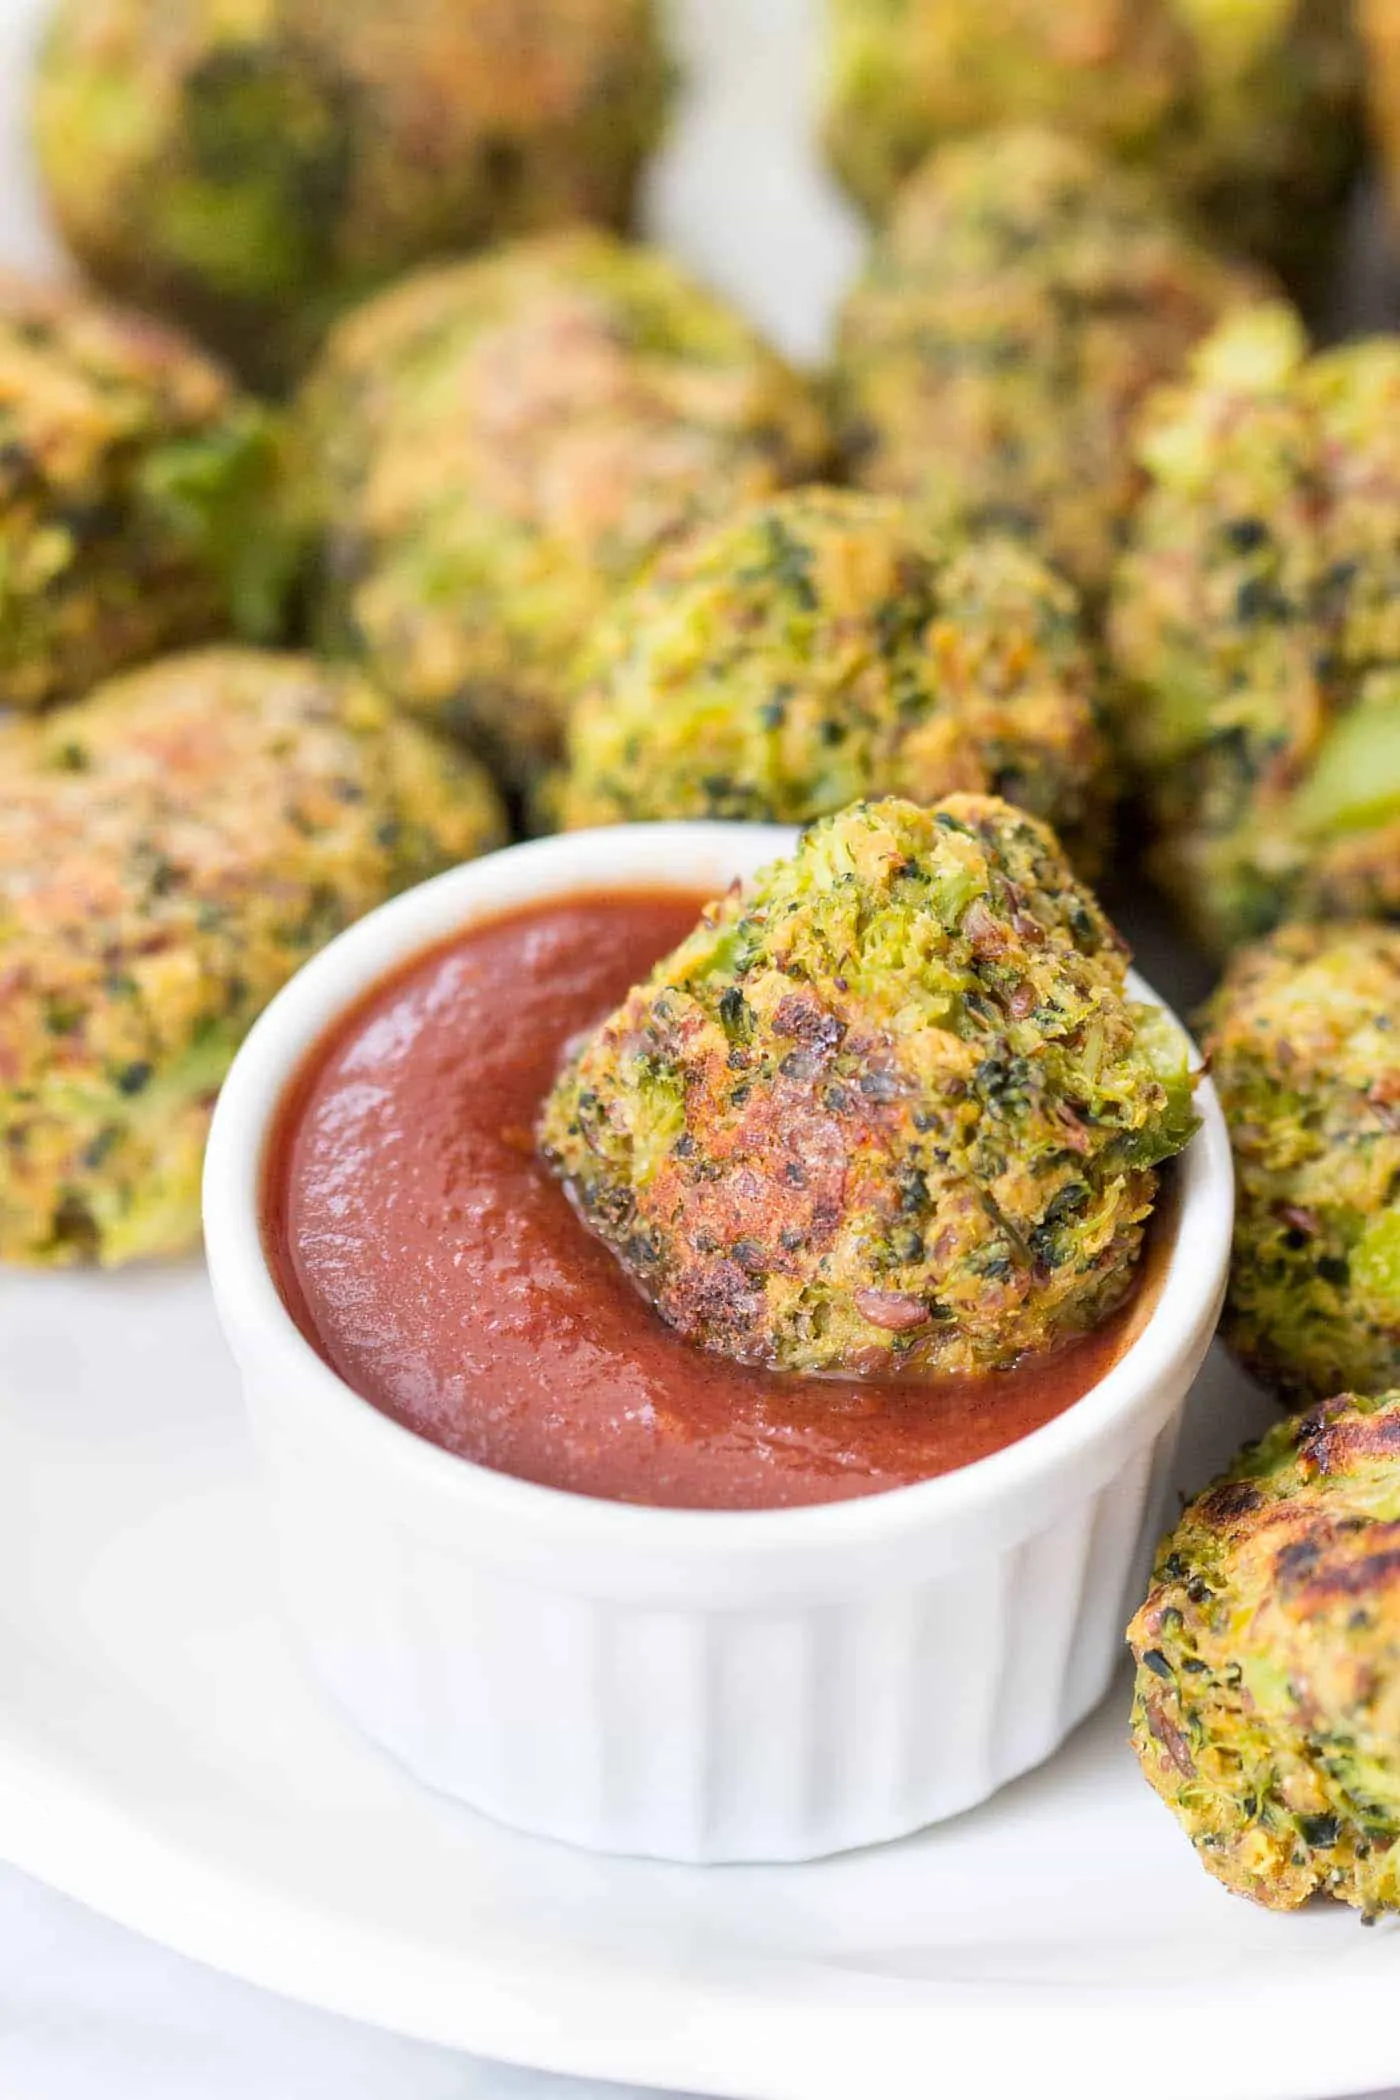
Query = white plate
x=163 y=1757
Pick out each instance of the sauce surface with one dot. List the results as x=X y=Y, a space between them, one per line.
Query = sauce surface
x=439 y=1268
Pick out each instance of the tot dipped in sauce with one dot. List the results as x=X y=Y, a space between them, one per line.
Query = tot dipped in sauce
x=483 y=1288
x=889 y=1108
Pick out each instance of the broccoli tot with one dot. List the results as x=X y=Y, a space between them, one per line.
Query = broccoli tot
x=141 y=503
x=1304 y=1038
x=1023 y=299
x=1246 y=112
x=497 y=447
x=1254 y=630
x=256 y=167
x=171 y=849
x=888 y=1106
x=1267 y=1711
x=825 y=646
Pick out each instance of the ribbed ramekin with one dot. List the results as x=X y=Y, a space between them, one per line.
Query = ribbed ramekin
x=694 y=1685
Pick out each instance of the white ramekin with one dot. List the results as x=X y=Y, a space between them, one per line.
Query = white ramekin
x=694 y=1685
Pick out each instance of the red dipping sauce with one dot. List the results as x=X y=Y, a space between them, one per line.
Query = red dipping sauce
x=438 y=1267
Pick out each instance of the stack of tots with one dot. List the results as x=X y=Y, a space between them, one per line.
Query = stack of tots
x=1256 y=652
x=534 y=529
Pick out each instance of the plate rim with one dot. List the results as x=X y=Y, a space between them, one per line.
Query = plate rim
x=683 y=2036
